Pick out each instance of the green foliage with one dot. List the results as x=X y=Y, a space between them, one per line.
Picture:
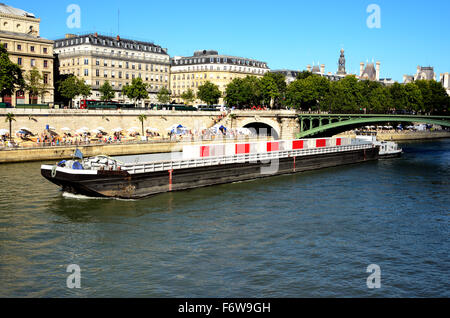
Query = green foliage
x=209 y=93
x=412 y=99
x=137 y=90
x=435 y=98
x=308 y=93
x=107 y=91
x=34 y=84
x=268 y=90
x=11 y=77
x=163 y=96
x=188 y=96
x=71 y=87
x=248 y=91
x=280 y=82
x=304 y=75
x=84 y=89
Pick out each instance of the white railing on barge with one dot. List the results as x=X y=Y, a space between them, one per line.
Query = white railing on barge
x=236 y=159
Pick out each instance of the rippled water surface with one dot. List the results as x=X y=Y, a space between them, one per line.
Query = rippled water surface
x=304 y=235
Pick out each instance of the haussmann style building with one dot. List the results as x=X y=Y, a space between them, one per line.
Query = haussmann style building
x=194 y=71
x=19 y=34
x=96 y=59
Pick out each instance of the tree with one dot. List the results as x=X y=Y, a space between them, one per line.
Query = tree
x=11 y=77
x=233 y=94
x=280 y=82
x=107 y=91
x=84 y=89
x=308 y=93
x=245 y=92
x=398 y=94
x=209 y=93
x=268 y=89
x=413 y=98
x=35 y=84
x=304 y=75
x=164 y=96
x=188 y=96
x=142 y=119
x=10 y=118
x=69 y=88
x=440 y=98
x=137 y=90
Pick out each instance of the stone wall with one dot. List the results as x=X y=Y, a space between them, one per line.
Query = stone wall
x=36 y=120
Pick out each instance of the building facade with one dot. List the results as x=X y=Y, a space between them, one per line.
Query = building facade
x=19 y=34
x=194 y=71
x=445 y=80
x=290 y=75
x=96 y=59
x=423 y=73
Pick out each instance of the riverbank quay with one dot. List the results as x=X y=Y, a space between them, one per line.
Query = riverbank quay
x=406 y=135
x=66 y=152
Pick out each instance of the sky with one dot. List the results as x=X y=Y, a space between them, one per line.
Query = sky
x=287 y=34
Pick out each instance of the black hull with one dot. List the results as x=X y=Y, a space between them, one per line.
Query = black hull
x=136 y=186
x=391 y=156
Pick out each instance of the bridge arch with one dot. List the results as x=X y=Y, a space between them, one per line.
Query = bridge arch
x=263 y=126
x=347 y=124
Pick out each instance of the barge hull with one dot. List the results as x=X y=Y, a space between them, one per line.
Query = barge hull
x=136 y=186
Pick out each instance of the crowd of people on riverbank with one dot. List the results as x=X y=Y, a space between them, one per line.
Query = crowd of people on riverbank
x=82 y=137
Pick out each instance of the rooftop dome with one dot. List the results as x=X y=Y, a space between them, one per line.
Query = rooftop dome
x=14 y=11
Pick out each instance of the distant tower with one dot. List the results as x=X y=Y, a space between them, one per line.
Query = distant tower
x=361 y=68
x=341 y=69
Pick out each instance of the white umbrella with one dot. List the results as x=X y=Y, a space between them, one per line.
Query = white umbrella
x=151 y=129
x=117 y=129
x=101 y=129
x=4 y=132
x=66 y=129
x=81 y=131
x=133 y=129
x=95 y=131
x=25 y=129
x=84 y=129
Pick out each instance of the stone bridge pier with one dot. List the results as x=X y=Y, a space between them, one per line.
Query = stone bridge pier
x=280 y=124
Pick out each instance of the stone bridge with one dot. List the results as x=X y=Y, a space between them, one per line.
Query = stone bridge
x=281 y=124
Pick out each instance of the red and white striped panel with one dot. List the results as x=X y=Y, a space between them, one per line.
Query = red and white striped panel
x=298 y=144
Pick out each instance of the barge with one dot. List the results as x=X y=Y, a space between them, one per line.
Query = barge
x=137 y=177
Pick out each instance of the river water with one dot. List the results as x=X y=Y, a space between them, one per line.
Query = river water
x=306 y=235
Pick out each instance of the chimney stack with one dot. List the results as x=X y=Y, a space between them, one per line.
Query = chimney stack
x=361 y=68
x=322 y=69
x=378 y=70
x=308 y=68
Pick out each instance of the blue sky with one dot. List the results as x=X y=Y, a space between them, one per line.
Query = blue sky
x=284 y=33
